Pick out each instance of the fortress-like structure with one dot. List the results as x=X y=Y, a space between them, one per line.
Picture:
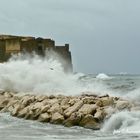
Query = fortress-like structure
x=10 y=44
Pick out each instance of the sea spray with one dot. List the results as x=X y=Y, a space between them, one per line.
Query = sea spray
x=45 y=75
x=123 y=122
x=103 y=76
x=32 y=73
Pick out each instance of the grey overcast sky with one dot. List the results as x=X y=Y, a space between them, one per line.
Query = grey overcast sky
x=104 y=35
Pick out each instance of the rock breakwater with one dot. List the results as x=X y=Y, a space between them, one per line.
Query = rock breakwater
x=88 y=111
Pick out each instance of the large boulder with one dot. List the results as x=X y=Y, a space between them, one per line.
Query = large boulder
x=90 y=122
x=37 y=105
x=3 y=102
x=30 y=115
x=122 y=104
x=50 y=101
x=22 y=113
x=73 y=120
x=45 y=117
x=41 y=98
x=55 y=108
x=17 y=107
x=72 y=101
x=8 y=94
x=73 y=108
x=65 y=103
x=45 y=108
x=27 y=100
x=57 y=118
x=105 y=101
x=99 y=115
x=89 y=100
x=88 y=109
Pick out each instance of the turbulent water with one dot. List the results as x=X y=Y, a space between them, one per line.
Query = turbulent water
x=45 y=76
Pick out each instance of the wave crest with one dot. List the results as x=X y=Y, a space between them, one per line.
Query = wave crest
x=103 y=76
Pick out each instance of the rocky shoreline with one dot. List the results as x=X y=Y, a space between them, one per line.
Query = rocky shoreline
x=88 y=111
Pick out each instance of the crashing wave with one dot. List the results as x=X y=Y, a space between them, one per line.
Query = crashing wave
x=123 y=122
x=103 y=76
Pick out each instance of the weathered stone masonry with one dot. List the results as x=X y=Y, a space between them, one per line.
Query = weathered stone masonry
x=17 y=44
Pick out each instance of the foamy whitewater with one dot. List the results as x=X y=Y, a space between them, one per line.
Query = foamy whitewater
x=46 y=76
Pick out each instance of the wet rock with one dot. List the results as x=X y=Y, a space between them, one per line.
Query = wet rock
x=64 y=107
x=22 y=113
x=99 y=103
x=73 y=120
x=55 y=108
x=41 y=98
x=37 y=105
x=8 y=94
x=3 y=102
x=73 y=108
x=50 y=101
x=65 y=103
x=45 y=102
x=45 y=108
x=122 y=104
x=89 y=100
x=99 y=115
x=12 y=102
x=105 y=101
x=10 y=106
x=89 y=122
x=88 y=109
x=15 y=110
x=45 y=117
x=27 y=100
x=30 y=115
x=89 y=94
x=102 y=96
x=51 y=97
x=2 y=92
x=57 y=118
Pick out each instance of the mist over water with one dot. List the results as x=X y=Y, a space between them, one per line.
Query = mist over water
x=45 y=75
x=25 y=73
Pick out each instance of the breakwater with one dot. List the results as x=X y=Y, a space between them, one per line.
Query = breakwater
x=86 y=110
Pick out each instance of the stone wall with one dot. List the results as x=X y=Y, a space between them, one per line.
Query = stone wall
x=15 y=44
x=12 y=45
x=2 y=50
x=65 y=54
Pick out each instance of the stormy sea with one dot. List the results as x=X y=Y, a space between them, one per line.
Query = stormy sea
x=46 y=76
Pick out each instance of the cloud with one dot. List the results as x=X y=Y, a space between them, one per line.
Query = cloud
x=103 y=34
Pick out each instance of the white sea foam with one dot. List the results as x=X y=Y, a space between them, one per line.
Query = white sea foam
x=24 y=73
x=123 y=73
x=133 y=95
x=103 y=76
x=34 y=74
x=123 y=122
